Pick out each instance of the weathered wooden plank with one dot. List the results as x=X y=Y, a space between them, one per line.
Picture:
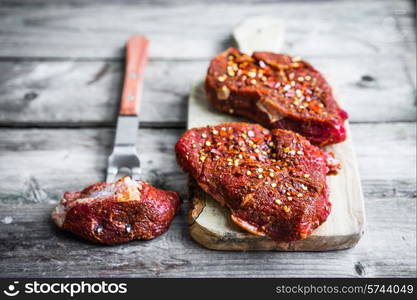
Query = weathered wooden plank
x=52 y=161
x=39 y=164
x=87 y=93
x=30 y=245
x=200 y=30
x=76 y=93
x=162 y=3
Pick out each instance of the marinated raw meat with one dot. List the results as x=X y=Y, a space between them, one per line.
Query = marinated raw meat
x=274 y=183
x=277 y=91
x=117 y=212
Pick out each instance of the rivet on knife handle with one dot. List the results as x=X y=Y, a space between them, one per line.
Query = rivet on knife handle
x=136 y=58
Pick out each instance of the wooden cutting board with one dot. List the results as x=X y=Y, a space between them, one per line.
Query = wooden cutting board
x=210 y=223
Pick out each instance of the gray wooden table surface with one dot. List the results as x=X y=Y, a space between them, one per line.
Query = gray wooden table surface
x=60 y=80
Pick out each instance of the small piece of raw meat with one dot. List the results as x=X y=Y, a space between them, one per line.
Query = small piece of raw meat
x=112 y=213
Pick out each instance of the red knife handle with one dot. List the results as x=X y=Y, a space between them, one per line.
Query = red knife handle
x=136 y=58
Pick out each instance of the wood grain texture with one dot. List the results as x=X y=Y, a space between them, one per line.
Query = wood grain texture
x=74 y=93
x=38 y=165
x=52 y=161
x=73 y=71
x=174 y=254
x=200 y=29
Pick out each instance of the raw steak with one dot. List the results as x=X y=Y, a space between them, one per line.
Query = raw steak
x=277 y=91
x=117 y=212
x=274 y=183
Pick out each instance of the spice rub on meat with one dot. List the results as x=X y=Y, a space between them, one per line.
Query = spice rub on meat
x=112 y=213
x=274 y=183
x=278 y=91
